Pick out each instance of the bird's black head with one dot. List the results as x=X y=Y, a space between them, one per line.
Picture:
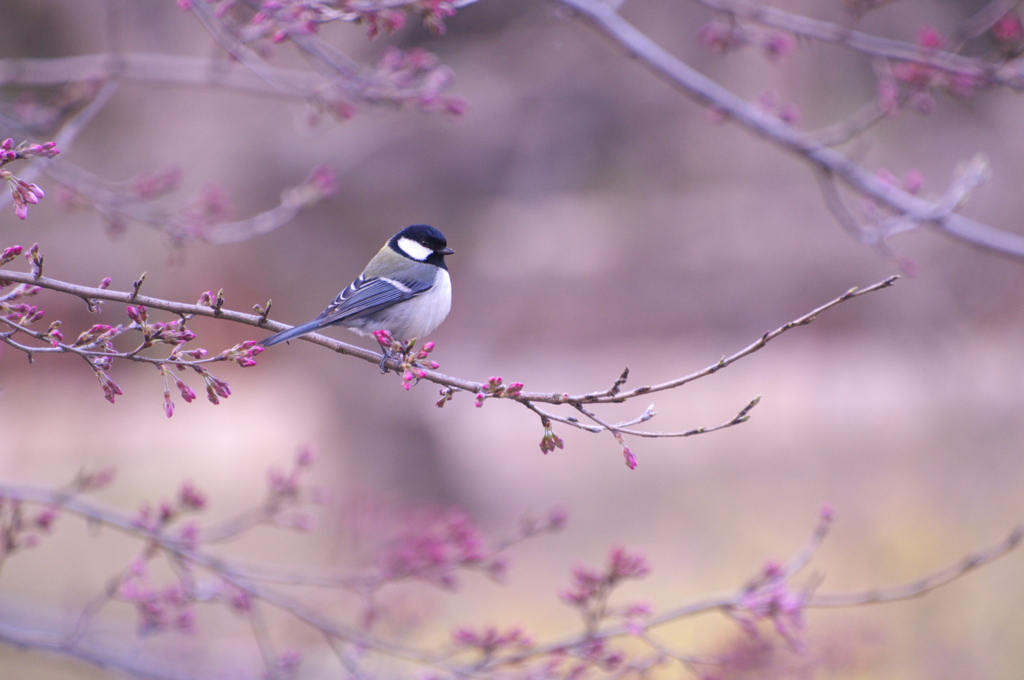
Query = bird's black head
x=423 y=243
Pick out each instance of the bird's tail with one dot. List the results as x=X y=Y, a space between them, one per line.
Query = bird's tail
x=291 y=333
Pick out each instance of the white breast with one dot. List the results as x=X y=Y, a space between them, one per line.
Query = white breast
x=415 y=318
x=431 y=308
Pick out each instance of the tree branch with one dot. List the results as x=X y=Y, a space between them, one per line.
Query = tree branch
x=918 y=210
x=493 y=388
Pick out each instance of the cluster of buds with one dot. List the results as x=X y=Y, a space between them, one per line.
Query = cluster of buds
x=166 y=333
x=20 y=529
x=590 y=586
x=447 y=393
x=243 y=354
x=379 y=21
x=216 y=389
x=414 y=363
x=25 y=150
x=721 y=37
x=490 y=640
x=626 y=452
x=591 y=589
x=20 y=313
x=771 y=598
x=434 y=13
x=24 y=193
x=111 y=390
x=9 y=254
x=100 y=336
x=211 y=299
x=35 y=258
x=435 y=547
x=52 y=334
x=187 y=393
x=288 y=484
x=415 y=76
x=495 y=387
x=96 y=344
x=920 y=78
x=158 y=609
x=189 y=499
x=550 y=441
x=11 y=309
x=276 y=19
x=400 y=77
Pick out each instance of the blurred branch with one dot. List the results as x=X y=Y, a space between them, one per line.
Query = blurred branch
x=769 y=597
x=163 y=68
x=201 y=219
x=913 y=209
x=198 y=220
x=1010 y=75
x=927 y=584
x=48 y=641
x=398 y=78
x=163 y=534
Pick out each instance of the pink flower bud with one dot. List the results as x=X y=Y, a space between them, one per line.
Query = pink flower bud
x=929 y=36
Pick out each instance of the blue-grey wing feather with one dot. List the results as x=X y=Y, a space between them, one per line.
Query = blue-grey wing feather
x=363 y=297
x=366 y=296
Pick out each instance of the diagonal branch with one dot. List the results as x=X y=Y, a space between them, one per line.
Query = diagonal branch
x=1008 y=75
x=924 y=585
x=614 y=395
x=603 y=15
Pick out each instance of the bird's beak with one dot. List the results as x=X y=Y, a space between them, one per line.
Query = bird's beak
x=446 y=251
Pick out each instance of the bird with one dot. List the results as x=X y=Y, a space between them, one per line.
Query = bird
x=405 y=289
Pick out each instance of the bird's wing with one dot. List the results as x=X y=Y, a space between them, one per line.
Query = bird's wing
x=366 y=295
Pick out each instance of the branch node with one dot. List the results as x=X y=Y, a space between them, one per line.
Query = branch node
x=218 y=303
x=36 y=258
x=619 y=383
x=136 y=285
x=264 y=312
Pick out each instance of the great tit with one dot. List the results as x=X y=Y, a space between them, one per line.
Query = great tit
x=405 y=289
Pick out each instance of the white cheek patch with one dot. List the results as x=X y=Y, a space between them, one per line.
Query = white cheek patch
x=416 y=251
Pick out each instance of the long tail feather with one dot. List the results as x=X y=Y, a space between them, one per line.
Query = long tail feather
x=291 y=333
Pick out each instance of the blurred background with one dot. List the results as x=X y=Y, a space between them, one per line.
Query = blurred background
x=601 y=220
